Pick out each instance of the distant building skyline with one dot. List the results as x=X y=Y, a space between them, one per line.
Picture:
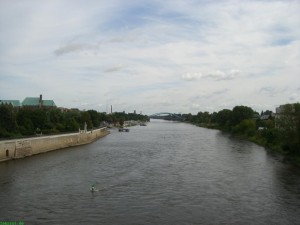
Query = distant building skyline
x=31 y=102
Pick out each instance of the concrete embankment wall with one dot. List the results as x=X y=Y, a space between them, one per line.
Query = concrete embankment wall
x=19 y=148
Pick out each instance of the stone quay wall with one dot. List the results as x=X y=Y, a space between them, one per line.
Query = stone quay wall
x=19 y=148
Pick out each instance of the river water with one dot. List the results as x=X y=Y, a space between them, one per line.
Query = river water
x=164 y=173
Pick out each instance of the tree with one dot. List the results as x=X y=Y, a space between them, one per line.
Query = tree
x=24 y=121
x=240 y=113
x=38 y=118
x=86 y=118
x=223 y=117
x=71 y=124
x=214 y=117
x=188 y=117
x=246 y=127
x=71 y=120
x=288 y=125
x=7 y=118
x=55 y=116
x=8 y=125
x=271 y=136
x=95 y=118
x=203 y=117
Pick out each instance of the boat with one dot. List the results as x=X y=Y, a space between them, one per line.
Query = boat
x=123 y=130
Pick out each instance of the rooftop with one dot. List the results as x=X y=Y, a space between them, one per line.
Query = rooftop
x=14 y=103
x=35 y=101
x=30 y=101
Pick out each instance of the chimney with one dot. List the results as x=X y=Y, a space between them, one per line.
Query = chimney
x=111 y=109
x=41 y=101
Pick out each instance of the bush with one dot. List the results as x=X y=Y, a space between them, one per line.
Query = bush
x=246 y=127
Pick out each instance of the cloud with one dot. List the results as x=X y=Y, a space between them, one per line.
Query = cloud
x=191 y=76
x=201 y=107
x=220 y=75
x=215 y=75
x=164 y=52
x=272 y=91
x=69 y=48
x=114 y=68
x=195 y=106
x=210 y=95
x=295 y=97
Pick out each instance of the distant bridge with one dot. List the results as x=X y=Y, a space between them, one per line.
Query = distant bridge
x=167 y=116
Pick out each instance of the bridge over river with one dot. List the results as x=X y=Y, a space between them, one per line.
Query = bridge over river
x=167 y=116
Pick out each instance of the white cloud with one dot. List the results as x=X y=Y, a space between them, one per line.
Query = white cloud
x=115 y=50
x=196 y=107
x=295 y=97
x=220 y=75
x=272 y=91
x=114 y=68
x=191 y=76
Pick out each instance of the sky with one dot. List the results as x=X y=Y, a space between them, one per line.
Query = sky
x=178 y=56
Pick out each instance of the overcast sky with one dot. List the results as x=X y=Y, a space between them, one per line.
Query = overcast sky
x=151 y=55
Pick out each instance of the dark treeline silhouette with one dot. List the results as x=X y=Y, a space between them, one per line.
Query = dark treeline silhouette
x=26 y=122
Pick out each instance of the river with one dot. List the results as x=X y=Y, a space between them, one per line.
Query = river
x=164 y=173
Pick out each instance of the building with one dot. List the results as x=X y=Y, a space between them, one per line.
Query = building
x=285 y=116
x=284 y=109
x=265 y=117
x=30 y=102
x=37 y=102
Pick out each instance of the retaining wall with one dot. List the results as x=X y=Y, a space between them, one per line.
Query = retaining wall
x=12 y=149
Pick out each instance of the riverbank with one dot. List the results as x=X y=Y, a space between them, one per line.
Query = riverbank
x=19 y=148
x=259 y=140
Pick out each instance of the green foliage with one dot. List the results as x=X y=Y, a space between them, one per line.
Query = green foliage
x=95 y=119
x=53 y=121
x=244 y=121
x=240 y=113
x=245 y=127
x=71 y=124
x=7 y=119
x=271 y=136
x=203 y=117
x=86 y=118
x=55 y=116
x=223 y=118
x=288 y=125
x=38 y=118
x=71 y=120
x=189 y=118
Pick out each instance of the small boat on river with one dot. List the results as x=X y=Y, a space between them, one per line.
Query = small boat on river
x=123 y=130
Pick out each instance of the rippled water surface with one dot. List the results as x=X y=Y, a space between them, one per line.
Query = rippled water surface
x=164 y=173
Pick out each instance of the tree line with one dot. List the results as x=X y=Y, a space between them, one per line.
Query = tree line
x=26 y=122
x=281 y=133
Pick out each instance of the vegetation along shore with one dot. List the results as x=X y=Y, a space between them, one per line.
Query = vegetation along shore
x=278 y=131
x=24 y=122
